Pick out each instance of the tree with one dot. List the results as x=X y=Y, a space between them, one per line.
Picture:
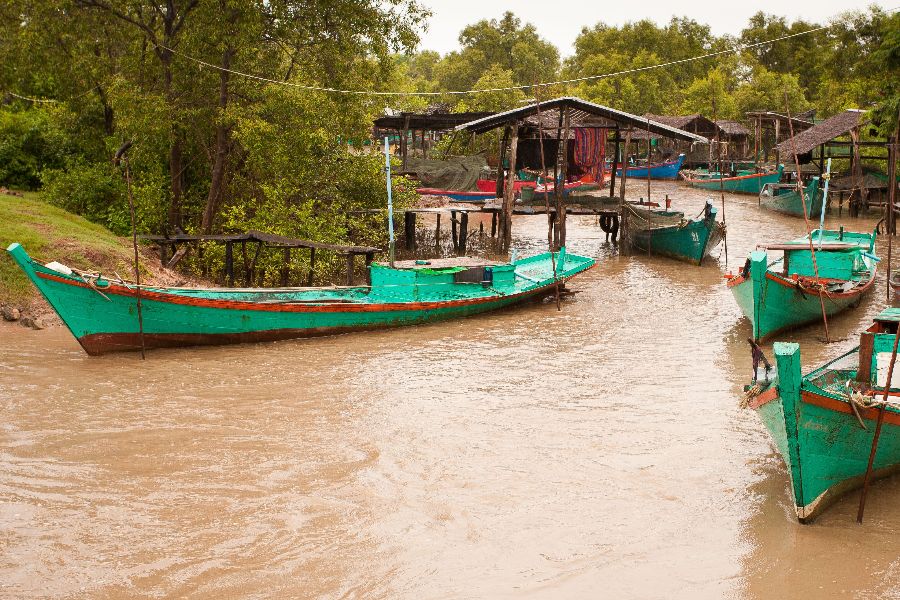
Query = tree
x=766 y=91
x=506 y=43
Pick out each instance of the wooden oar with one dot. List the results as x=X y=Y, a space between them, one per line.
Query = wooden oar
x=887 y=387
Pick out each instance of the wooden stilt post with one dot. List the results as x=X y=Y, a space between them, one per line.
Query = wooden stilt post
x=453 y=237
x=493 y=223
x=560 y=187
x=463 y=232
x=500 y=173
x=285 y=269
x=229 y=262
x=312 y=267
x=409 y=229
x=625 y=165
x=437 y=231
x=349 y=268
x=615 y=161
x=508 y=192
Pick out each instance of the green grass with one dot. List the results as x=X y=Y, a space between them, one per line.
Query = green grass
x=50 y=233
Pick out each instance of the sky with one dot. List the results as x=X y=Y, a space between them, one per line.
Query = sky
x=560 y=21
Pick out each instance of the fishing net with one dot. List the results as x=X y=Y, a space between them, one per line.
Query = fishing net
x=459 y=173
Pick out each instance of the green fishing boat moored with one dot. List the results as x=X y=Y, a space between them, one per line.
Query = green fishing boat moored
x=102 y=313
x=752 y=183
x=784 y=198
x=823 y=423
x=669 y=233
x=789 y=291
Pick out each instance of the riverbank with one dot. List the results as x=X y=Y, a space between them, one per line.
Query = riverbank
x=50 y=233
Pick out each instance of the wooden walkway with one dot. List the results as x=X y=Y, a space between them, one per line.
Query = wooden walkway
x=263 y=240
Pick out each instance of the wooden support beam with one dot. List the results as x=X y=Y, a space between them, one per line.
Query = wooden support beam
x=369 y=257
x=229 y=262
x=463 y=232
x=409 y=229
x=615 y=161
x=560 y=186
x=509 y=190
x=349 y=268
x=312 y=267
x=437 y=231
x=453 y=237
x=285 y=269
x=503 y=144
x=493 y=224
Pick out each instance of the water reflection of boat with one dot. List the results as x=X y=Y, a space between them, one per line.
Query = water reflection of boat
x=103 y=314
x=822 y=423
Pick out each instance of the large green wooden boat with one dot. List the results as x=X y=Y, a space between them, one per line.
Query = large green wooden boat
x=823 y=423
x=669 y=233
x=784 y=198
x=742 y=184
x=786 y=293
x=102 y=312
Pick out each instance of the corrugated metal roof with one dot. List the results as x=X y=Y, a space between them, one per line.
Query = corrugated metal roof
x=581 y=114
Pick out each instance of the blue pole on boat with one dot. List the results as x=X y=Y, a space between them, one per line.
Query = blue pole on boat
x=387 y=170
x=824 y=201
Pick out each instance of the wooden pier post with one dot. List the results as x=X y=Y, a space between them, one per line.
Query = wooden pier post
x=285 y=269
x=493 y=223
x=453 y=237
x=437 y=232
x=617 y=140
x=560 y=187
x=409 y=229
x=463 y=232
x=312 y=267
x=349 y=268
x=508 y=192
x=229 y=262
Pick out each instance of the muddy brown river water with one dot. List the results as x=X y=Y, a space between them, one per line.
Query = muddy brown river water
x=594 y=452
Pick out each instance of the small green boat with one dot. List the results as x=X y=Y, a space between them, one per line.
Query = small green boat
x=741 y=184
x=669 y=233
x=784 y=198
x=823 y=423
x=786 y=293
x=102 y=313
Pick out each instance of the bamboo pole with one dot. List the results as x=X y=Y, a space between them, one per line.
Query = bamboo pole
x=801 y=191
x=122 y=156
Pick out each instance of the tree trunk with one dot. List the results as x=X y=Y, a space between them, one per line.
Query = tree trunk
x=223 y=135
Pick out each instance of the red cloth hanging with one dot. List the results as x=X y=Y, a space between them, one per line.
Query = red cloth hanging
x=590 y=151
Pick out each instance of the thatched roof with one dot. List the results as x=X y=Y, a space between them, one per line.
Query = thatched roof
x=581 y=114
x=829 y=129
x=732 y=127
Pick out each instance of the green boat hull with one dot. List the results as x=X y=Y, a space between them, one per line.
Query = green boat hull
x=103 y=314
x=743 y=184
x=814 y=428
x=689 y=241
x=774 y=300
x=785 y=199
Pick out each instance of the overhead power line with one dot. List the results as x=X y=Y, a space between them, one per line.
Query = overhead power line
x=314 y=88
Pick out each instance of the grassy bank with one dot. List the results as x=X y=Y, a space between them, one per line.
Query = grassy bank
x=50 y=233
